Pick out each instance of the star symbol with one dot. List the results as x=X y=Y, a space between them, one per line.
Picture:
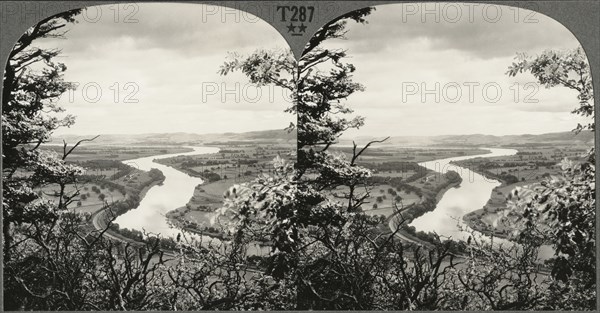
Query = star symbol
x=291 y=28
x=302 y=28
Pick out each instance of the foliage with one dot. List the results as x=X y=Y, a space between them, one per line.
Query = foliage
x=26 y=97
x=495 y=277
x=332 y=254
x=562 y=212
x=326 y=253
x=67 y=268
x=453 y=177
x=566 y=203
x=51 y=260
x=562 y=68
x=211 y=176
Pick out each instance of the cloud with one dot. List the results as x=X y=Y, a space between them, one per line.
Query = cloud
x=457 y=72
x=192 y=29
x=480 y=30
x=173 y=51
x=153 y=74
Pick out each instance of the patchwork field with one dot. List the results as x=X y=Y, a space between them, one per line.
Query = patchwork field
x=233 y=164
x=91 y=151
x=527 y=168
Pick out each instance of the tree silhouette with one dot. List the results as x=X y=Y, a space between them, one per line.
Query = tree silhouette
x=51 y=262
x=329 y=251
x=26 y=97
x=569 y=69
x=566 y=203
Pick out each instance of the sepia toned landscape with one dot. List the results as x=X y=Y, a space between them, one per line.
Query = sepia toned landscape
x=193 y=163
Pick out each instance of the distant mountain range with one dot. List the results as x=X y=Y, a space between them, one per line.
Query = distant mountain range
x=585 y=138
x=274 y=136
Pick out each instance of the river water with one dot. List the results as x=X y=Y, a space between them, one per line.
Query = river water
x=473 y=193
x=178 y=187
x=175 y=192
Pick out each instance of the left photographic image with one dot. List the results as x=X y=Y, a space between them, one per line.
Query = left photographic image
x=133 y=135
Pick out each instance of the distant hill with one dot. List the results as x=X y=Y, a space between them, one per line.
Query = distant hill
x=274 y=136
x=584 y=138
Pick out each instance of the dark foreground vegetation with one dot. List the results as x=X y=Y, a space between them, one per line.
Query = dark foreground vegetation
x=325 y=254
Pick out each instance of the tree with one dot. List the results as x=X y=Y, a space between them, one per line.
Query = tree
x=562 y=68
x=329 y=251
x=326 y=252
x=494 y=277
x=565 y=204
x=50 y=261
x=27 y=94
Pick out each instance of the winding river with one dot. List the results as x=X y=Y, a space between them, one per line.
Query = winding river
x=473 y=193
x=175 y=192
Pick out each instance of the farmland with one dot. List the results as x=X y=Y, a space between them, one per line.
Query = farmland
x=106 y=179
x=235 y=163
x=114 y=152
x=527 y=168
x=398 y=180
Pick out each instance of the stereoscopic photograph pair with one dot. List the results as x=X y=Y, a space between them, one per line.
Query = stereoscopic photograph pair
x=410 y=156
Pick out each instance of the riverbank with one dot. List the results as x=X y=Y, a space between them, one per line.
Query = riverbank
x=491 y=220
x=526 y=168
x=197 y=213
x=100 y=219
x=476 y=189
x=175 y=192
x=409 y=233
x=177 y=218
x=443 y=191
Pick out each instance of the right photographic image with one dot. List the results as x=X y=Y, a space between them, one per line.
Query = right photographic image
x=446 y=157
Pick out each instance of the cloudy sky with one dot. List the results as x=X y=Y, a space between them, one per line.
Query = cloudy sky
x=156 y=67
x=166 y=57
x=407 y=49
